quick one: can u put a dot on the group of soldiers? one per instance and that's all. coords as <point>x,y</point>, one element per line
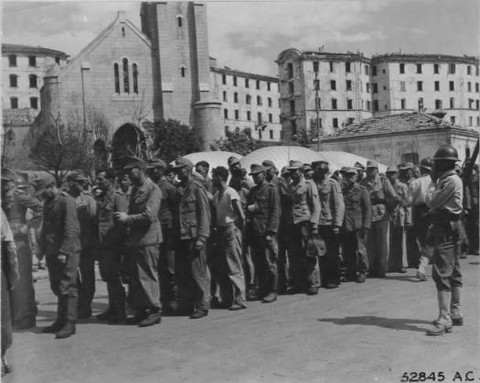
<point>182,242</point>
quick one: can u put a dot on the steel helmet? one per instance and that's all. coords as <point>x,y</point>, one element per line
<point>426,163</point>
<point>446,152</point>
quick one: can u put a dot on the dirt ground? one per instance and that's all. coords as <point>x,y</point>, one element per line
<point>371,332</point>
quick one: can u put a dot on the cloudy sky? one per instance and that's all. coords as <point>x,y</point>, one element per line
<point>249,35</point>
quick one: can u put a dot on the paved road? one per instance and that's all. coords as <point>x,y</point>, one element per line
<point>371,332</point>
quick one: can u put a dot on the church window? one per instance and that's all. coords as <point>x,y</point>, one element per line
<point>179,21</point>
<point>183,71</point>
<point>126,79</point>
<point>135,78</point>
<point>116,75</point>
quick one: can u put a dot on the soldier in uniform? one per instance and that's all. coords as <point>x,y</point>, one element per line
<point>381,196</point>
<point>15,203</point>
<point>203,168</point>
<point>332,210</point>
<point>87,214</point>
<point>285,206</point>
<point>405,175</point>
<point>111,240</point>
<point>60,243</point>
<point>398,217</point>
<point>156,169</point>
<point>144,237</point>
<point>446,204</point>
<point>262,220</point>
<point>302,222</point>
<point>356,224</point>
<point>191,228</point>
<point>472,214</point>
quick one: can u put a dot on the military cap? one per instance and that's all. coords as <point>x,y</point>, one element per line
<point>256,168</point>
<point>77,176</point>
<point>392,169</point>
<point>284,170</point>
<point>372,164</point>
<point>156,163</point>
<point>295,165</point>
<point>349,170</point>
<point>232,160</point>
<point>267,164</point>
<point>307,167</point>
<point>42,182</point>
<point>359,166</point>
<point>134,162</point>
<point>181,163</point>
<point>319,163</point>
<point>405,166</point>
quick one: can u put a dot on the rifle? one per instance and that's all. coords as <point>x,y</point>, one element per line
<point>468,164</point>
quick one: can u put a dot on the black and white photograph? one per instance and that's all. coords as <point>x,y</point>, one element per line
<point>240,191</point>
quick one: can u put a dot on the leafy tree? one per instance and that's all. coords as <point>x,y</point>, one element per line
<point>172,139</point>
<point>240,142</point>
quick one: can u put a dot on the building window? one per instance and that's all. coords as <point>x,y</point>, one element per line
<point>12,60</point>
<point>182,71</point>
<point>226,129</point>
<point>368,87</point>
<point>32,80</point>
<point>469,70</point>
<point>291,87</point>
<point>126,80</point>
<point>13,103</point>
<point>385,106</point>
<point>367,70</point>
<point>269,101</point>
<point>420,86</point>
<point>470,103</point>
<point>247,83</point>
<point>34,102</point>
<point>451,85</point>
<point>334,103</point>
<point>451,68</point>
<point>268,86</point>
<point>292,107</point>
<point>469,86</point>
<point>477,104</point>
<point>257,84</point>
<point>32,61</point>
<point>347,66</point>
<point>452,120</point>
<point>259,134</point>
<point>375,87</point>
<point>123,31</point>
<point>436,68</point>
<point>335,122</point>
<point>437,86</point>
<point>57,60</point>
<point>234,80</point>
<point>331,66</point>
<point>478,121</point>
<point>224,79</point>
<point>116,77</point>
<point>369,105</point>
<point>315,66</point>
<point>452,102</point>
<point>349,103</point>
<point>402,68</point>
<point>249,115</point>
<point>438,104</point>
<point>476,87</point>
<point>470,121</point>
<point>333,85</point>
<point>270,117</point>
<point>224,95</point>
<point>259,118</point>
<point>271,134</point>
<point>402,86</point>
<point>179,21</point>
<point>318,103</point>
<point>235,97</point>
<point>259,101</point>
<point>225,113</point>
<point>349,84</point>
<point>420,103</point>
<point>403,103</point>
<point>375,105</point>
<point>135,78</point>
<point>316,84</point>
<point>236,114</point>
<point>419,68</point>
<point>248,99</point>
<point>374,70</point>
<point>290,70</point>
<point>13,81</point>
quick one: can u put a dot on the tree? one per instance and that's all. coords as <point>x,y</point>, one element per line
<point>240,142</point>
<point>172,139</point>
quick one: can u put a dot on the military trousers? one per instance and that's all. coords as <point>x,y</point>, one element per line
<point>330,262</point>
<point>354,253</point>
<point>397,248</point>
<point>446,267</point>
<point>193,276</point>
<point>86,279</point>
<point>166,268</point>
<point>24,309</point>
<point>63,276</point>
<point>377,248</point>
<point>109,259</point>
<point>144,284</point>
<point>472,229</point>
<point>282,263</point>
<point>304,270</point>
<point>264,256</point>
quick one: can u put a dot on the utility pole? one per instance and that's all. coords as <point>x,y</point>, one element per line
<point>317,109</point>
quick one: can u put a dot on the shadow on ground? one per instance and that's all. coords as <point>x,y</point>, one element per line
<point>404,278</point>
<point>370,320</point>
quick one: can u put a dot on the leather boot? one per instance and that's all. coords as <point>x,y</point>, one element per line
<point>120,314</point>
<point>110,311</point>
<point>443,324</point>
<point>455,312</point>
<point>58,324</point>
<point>69,328</point>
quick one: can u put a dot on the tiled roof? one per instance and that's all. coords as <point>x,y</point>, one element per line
<point>414,121</point>
<point>26,49</point>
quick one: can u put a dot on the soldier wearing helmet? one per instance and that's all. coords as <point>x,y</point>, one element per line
<point>445,206</point>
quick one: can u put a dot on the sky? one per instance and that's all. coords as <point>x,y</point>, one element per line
<point>249,35</point>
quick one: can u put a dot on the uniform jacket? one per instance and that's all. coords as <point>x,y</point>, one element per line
<point>332,206</point>
<point>448,194</point>
<point>358,211</point>
<point>168,201</point>
<point>264,219</point>
<point>191,214</point>
<point>401,214</point>
<point>111,233</point>
<point>142,221</point>
<point>305,202</point>
<point>381,194</point>
<point>16,212</point>
<point>60,230</point>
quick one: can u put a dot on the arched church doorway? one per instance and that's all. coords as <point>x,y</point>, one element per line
<point>129,140</point>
